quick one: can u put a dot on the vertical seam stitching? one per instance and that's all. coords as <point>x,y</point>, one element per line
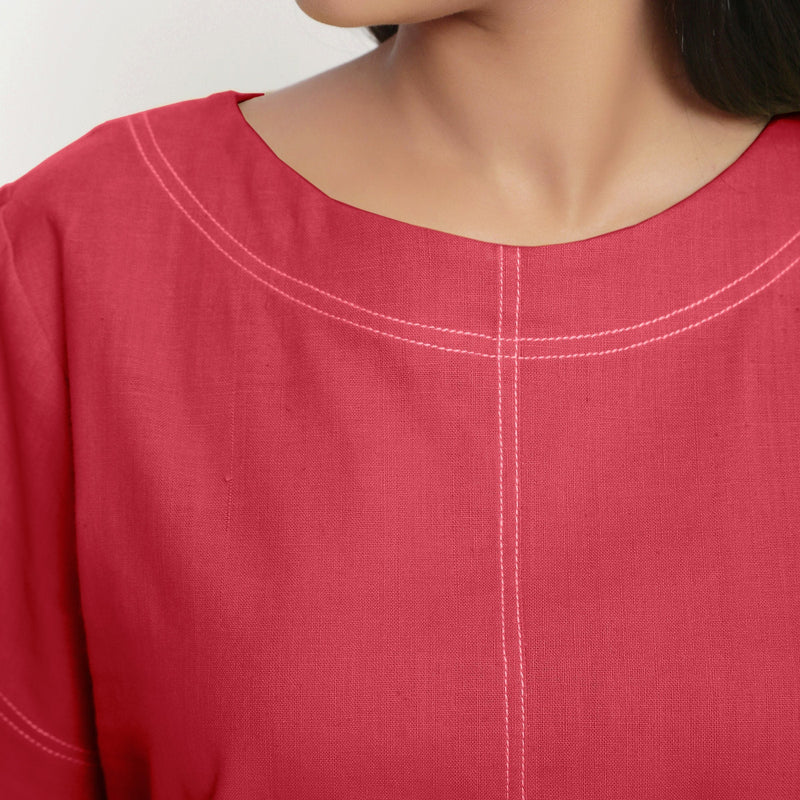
<point>516,526</point>
<point>501,269</point>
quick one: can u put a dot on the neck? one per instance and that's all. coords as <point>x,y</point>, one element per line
<point>550,102</point>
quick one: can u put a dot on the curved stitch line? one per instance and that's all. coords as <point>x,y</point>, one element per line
<point>42,747</point>
<point>415,341</point>
<point>436,327</point>
<point>680,330</point>
<point>45,733</point>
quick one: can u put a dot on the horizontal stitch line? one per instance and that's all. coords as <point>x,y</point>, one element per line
<point>415,341</point>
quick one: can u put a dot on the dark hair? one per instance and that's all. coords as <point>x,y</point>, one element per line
<point>743,56</point>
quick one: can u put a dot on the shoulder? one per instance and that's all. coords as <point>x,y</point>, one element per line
<point>82,211</point>
<point>102,167</point>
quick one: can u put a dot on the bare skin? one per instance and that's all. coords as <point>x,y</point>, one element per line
<point>521,123</point>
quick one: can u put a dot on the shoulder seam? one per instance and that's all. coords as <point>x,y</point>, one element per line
<point>5,240</point>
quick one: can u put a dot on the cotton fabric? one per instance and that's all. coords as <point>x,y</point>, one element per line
<point>299,501</point>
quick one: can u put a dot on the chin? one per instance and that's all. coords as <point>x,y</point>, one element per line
<point>346,13</point>
<point>361,13</point>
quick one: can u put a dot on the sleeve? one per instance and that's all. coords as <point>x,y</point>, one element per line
<point>48,741</point>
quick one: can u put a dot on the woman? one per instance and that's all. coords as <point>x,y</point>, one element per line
<point>428,428</point>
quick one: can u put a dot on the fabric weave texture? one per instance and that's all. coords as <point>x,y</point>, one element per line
<point>302,502</point>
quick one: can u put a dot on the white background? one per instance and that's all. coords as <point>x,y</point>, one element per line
<point>68,65</point>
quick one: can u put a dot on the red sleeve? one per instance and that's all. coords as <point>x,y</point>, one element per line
<point>48,742</point>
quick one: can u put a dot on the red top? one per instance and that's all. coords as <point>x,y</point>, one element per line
<point>300,501</point>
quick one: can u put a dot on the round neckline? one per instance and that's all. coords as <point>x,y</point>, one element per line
<point>618,291</point>
<point>642,227</point>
